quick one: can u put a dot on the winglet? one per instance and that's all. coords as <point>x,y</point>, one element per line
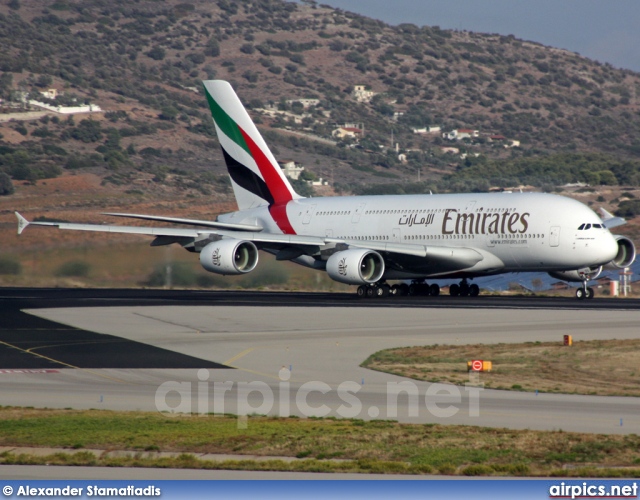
<point>22,223</point>
<point>609,220</point>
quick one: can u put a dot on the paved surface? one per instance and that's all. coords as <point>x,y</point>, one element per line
<point>322,338</point>
<point>45,472</point>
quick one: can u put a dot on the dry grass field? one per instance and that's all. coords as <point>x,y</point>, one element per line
<point>602,367</point>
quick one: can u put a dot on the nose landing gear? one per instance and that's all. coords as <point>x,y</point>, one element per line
<point>584,292</point>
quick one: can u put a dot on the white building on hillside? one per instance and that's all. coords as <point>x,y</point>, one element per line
<point>291,169</point>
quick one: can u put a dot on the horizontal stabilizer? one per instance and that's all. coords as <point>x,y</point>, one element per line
<point>609,220</point>
<point>22,223</point>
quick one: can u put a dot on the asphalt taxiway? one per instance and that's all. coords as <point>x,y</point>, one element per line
<point>287,353</point>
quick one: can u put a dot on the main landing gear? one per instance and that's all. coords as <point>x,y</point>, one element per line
<point>464,289</point>
<point>584,292</point>
<point>374,290</point>
<point>414,289</point>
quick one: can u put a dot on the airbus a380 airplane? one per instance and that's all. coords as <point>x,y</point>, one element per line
<point>367,240</point>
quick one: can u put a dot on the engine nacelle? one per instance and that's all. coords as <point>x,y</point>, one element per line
<point>588,273</point>
<point>229,257</point>
<point>356,266</point>
<point>626,253</point>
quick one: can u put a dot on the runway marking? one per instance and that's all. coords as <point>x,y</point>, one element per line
<point>238,356</point>
<point>63,363</point>
<point>244,353</point>
<point>165,321</point>
<point>31,349</point>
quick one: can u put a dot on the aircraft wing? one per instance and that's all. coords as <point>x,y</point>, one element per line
<point>190,222</point>
<point>400,256</point>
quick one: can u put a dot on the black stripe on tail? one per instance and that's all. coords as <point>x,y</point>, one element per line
<point>247,179</point>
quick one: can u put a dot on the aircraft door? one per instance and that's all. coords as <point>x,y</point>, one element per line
<point>554,236</point>
<point>359,211</point>
<point>308,213</point>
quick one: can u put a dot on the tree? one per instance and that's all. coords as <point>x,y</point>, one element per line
<point>87,131</point>
<point>168,113</point>
<point>213,48</point>
<point>156,53</point>
<point>6,186</point>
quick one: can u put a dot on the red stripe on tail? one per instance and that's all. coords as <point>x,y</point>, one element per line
<point>277,187</point>
<point>279,214</point>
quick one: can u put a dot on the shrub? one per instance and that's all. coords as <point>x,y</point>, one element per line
<point>628,208</point>
<point>73,268</point>
<point>156,53</point>
<point>6,186</point>
<point>213,48</point>
<point>247,48</point>
<point>182,274</point>
<point>9,265</point>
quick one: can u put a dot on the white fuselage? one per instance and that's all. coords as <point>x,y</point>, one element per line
<point>523,231</point>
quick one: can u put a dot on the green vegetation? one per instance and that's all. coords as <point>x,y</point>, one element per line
<point>147,61</point>
<point>74,268</point>
<point>628,208</point>
<point>189,274</point>
<point>553,170</point>
<point>327,445</point>
<point>10,266</point>
<point>6,186</point>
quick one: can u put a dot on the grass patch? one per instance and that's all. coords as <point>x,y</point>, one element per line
<point>596,367</point>
<point>358,446</point>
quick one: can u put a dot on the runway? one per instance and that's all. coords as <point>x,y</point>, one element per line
<point>286,353</point>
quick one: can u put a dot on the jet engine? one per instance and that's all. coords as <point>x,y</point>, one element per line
<point>588,273</point>
<point>229,257</point>
<point>626,253</point>
<point>356,266</point>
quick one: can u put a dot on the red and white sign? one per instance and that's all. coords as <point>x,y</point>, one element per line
<point>476,365</point>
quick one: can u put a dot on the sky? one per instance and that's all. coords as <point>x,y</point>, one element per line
<point>604,30</point>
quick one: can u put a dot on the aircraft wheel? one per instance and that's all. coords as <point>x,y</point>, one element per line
<point>580,294</point>
<point>403,288</point>
<point>434,290</point>
<point>362,291</point>
<point>372,291</point>
<point>474,290</point>
<point>590,293</point>
<point>383,291</point>
<point>454,290</point>
<point>464,290</point>
<point>413,290</point>
<point>395,290</point>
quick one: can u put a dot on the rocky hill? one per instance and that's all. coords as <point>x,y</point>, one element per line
<point>296,66</point>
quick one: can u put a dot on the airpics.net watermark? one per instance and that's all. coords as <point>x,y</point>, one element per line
<point>405,399</point>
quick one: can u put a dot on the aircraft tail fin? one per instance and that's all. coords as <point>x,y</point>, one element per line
<point>256,177</point>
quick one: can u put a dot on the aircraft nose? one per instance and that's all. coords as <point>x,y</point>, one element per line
<point>609,247</point>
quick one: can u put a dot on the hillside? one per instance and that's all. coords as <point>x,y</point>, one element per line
<point>142,63</point>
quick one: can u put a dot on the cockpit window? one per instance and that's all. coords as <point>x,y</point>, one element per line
<point>581,227</point>
<point>588,226</point>
<point>599,226</point>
